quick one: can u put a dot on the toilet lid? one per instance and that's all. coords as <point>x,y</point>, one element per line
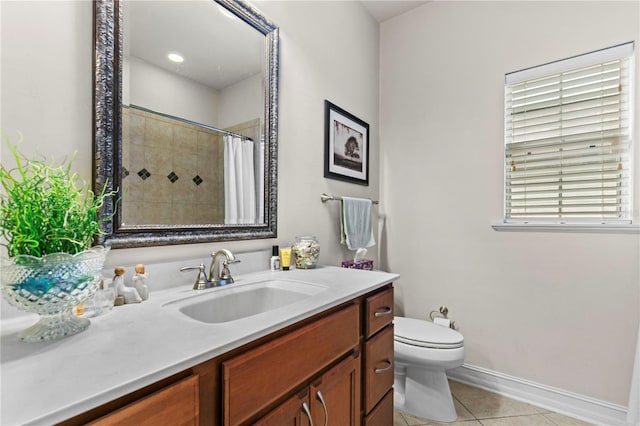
<point>426,334</point>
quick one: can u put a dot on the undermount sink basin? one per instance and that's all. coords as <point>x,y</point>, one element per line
<point>236,302</point>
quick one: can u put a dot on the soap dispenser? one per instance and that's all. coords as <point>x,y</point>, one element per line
<point>274,263</point>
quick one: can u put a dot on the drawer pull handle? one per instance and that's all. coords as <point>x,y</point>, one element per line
<point>387,311</point>
<point>305,407</point>
<point>382,370</point>
<point>326,414</point>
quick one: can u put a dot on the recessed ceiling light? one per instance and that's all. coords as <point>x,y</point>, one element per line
<point>175,57</point>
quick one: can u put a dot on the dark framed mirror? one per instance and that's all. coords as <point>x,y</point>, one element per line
<point>191,146</point>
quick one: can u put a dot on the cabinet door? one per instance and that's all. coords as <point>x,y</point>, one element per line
<point>294,412</point>
<point>335,396</point>
<point>259,378</point>
<point>177,404</point>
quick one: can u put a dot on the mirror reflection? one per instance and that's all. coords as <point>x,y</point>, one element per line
<point>185,124</point>
<point>192,140</point>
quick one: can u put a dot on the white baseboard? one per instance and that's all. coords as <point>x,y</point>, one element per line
<point>560,401</point>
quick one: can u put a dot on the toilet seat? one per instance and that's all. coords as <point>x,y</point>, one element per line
<point>426,334</point>
<point>423,352</point>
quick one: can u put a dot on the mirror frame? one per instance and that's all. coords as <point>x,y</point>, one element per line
<point>107,127</point>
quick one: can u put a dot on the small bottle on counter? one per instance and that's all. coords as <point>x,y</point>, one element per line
<point>274,263</point>
<point>285,258</point>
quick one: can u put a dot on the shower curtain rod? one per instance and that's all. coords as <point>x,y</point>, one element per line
<point>194,123</point>
<point>327,197</point>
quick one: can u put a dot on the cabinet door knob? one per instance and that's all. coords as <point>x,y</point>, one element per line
<point>326,414</point>
<point>387,311</point>
<point>305,407</point>
<point>382,370</point>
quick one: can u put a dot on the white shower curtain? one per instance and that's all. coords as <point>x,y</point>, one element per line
<point>239,181</point>
<point>260,164</point>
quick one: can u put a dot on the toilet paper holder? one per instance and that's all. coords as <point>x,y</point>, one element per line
<point>443,312</point>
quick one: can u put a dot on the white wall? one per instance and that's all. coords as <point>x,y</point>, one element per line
<point>526,307</point>
<point>554,308</point>
<point>156,89</point>
<point>241,102</point>
<point>328,50</point>
<point>46,72</point>
<point>47,94</point>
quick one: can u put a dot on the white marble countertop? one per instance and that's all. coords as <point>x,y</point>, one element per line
<point>136,345</point>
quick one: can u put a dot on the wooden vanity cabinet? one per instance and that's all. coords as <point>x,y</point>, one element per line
<point>378,311</point>
<point>174,400</point>
<point>382,414</point>
<point>378,359</point>
<point>293,412</point>
<point>336,367</point>
<point>260,377</point>
<point>334,398</point>
<point>177,404</point>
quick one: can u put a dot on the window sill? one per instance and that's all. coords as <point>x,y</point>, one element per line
<point>596,229</point>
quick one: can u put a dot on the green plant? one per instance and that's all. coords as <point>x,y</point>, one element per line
<point>45,208</point>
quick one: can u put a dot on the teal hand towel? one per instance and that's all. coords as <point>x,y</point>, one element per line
<point>355,223</point>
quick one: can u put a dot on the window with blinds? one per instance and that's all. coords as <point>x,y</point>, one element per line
<point>568,140</point>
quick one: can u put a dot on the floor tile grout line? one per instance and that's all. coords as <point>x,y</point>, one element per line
<point>549,419</point>
<point>403,418</point>
<point>546,414</point>
<point>540,412</point>
<point>481,420</point>
<point>406,423</point>
<point>465,407</point>
<point>516,417</point>
<point>506,416</point>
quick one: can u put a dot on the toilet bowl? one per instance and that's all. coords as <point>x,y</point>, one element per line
<point>423,353</point>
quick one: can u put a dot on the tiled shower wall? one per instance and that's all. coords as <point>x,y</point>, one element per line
<point>173,171</point>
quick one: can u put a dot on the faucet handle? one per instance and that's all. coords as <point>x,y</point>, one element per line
<point>226,273</point>
<point>201,281</point>
<point>217,276</point>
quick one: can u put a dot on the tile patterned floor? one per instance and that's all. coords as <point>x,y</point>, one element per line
<point>477,407</point>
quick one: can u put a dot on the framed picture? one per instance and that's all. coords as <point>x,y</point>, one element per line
<point>346,151</point>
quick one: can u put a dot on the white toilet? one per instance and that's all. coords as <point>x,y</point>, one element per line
<point>423,352</point>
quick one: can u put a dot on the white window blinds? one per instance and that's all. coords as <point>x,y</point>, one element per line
<point>568,140</point>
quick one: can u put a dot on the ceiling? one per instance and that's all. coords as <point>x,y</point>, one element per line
<point>387,9</point>
<point>194,30</point>
<point>152,29</point>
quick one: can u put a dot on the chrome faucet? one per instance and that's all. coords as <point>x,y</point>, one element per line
<point>219,277</point>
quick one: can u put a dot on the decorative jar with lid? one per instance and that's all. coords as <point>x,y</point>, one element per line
<point>305,251</point>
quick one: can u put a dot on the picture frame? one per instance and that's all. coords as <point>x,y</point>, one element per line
<point>346,151</point>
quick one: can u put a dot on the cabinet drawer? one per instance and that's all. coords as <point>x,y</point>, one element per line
<point>259,377</point>
<point>177,404</point>
<point>379,365</point>
<point>379,311</point>
<point>382,414</point>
